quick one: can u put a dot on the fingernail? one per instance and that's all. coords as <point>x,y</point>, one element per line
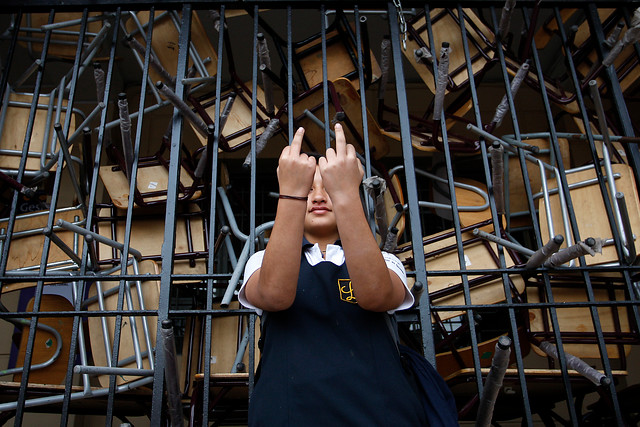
<point>338,125</point>
<point>300,129</point>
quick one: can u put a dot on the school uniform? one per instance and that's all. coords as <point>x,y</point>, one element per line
<point>326,361</point>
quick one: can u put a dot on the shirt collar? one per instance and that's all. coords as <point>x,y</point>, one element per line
<point>307,244</point>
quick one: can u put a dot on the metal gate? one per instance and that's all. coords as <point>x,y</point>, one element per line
<point>138,148</point>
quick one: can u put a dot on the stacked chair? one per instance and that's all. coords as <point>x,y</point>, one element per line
<point>529,244</point>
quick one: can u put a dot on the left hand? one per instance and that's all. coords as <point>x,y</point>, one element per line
<point>341,169</point>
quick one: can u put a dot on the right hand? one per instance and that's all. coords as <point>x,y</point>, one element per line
<point>295,169</point>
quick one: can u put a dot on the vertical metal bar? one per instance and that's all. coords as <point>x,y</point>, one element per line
<point>633,153</point>
<point>454,205</point>
<point>290,72</point>
<point>412,188</point>
<point>250,244</point>
<point>514,327</point>
<point>253,176</point>
<point>170,217</point>
<point>47,242</point>
<point>521,154</point>
<point>4,78</point>
<point>213,155</point>
<point>27,140</point>
<point>363,111</point>
<point>90,208</point>
<point>617,96</point>
<point>325,89</point>
<point>115,353</point>
<point>564,187</point>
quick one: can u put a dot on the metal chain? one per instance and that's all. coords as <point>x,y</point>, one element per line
<point>403,23</point>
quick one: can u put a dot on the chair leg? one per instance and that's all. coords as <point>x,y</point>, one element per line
<point>195,413</point>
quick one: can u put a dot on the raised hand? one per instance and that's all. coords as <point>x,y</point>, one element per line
<point>295,169</point>
<point>341,170</point>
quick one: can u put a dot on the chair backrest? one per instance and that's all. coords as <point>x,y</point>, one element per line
<point>341,60</point>
<point>151,184</point>
<point>236,134</point>
<point>147,236</point>
<point>589,209</point>
<point>138,333</point>
<point>446,28</point>
<point>226,342</point>
<point>516,183</point>
<point>13,126</point>
<point>576,324</point>
<point>62,45</point>
<point>343,98</point>
<point>441,254</point>
<point>25,252</point>
<point>451,363</point>
<point>45,343</point>
<point>164,42</point>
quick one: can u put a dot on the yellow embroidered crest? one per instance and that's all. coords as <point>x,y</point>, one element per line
<point>346,291</point>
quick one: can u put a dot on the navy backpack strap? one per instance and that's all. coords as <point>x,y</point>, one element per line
<point>434,393</point>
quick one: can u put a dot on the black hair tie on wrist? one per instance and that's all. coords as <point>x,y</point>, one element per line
<point>284,196</point>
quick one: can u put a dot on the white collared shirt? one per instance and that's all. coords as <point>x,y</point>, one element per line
<point>335,255</point>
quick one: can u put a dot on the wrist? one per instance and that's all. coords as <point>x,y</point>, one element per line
<point>289,197</point>
<point>345,198</point>
<point>294,192</point>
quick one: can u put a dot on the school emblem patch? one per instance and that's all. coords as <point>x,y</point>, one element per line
<point>346,291</point>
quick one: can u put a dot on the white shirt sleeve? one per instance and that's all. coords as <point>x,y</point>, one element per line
<point>253,264</point>
<point>395,265</point>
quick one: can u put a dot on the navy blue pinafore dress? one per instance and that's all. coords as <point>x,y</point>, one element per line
<point>328,362</point>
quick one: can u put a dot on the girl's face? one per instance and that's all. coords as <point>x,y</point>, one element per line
<point>319,221</point>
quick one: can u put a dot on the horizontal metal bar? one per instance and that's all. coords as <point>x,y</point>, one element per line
<point>103,370</point>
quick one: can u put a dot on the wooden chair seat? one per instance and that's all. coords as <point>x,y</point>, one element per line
<point>341,54</point>
<point>423,142</point>
<point>620,154</point>
<point>147,236</point>
<point>39,387</point>
<point>339,61</point>
<point>516,185</point>
<point>583,52</point>
<point>465,197</point>
<point>532,372</point>
<point>590,212</point>
<point>226,333</point>
<point>61,46</point>
<point>625,64</point>
<point>16,117</point>
<point>150,180</point>
<point>45,344</point>
<point>27,243</point>
<point>549,29</point>
<point>441,254</point>
<point>446,28</point>
<point>450,365</point>
<point>236,133</point>
<point>576,324</point>
<point>151,294</point>
<point>343,97</point>
<point>165,39</point>
<point>562,97</point>
<point>461,141</point>
<point>544,387</point>
<point>241,377</point>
